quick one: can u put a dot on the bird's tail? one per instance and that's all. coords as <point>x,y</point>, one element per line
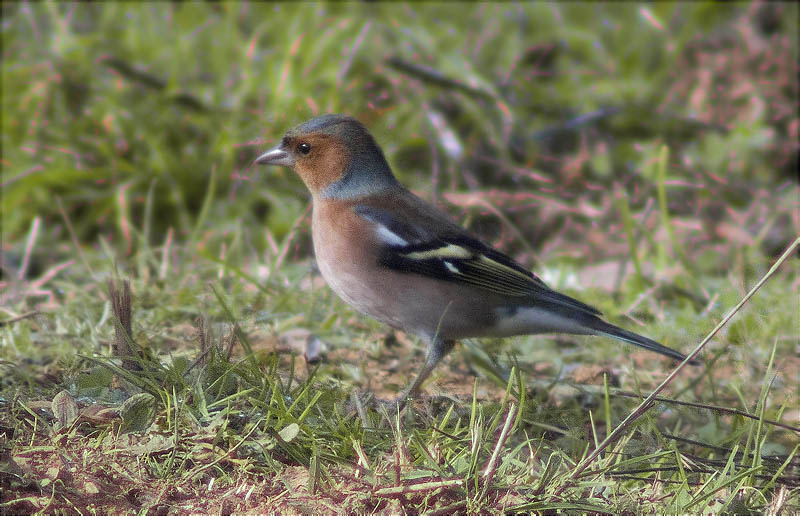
<point>601,327</point>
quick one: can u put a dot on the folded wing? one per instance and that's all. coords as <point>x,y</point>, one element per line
<point>453,255</point>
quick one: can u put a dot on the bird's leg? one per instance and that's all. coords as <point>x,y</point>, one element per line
<point>437,350</point>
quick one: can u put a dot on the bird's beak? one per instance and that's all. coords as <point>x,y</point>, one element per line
<point>276,156</point>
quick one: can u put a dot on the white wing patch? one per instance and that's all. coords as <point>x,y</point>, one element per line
<point>452,268</point>
<point>388,236</point>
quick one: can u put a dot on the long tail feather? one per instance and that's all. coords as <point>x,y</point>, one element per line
<point>603,328</point>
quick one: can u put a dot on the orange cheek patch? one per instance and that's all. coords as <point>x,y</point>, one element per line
<point>323,167</point>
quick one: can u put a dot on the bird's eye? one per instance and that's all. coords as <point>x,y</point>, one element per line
<point>304,149</point>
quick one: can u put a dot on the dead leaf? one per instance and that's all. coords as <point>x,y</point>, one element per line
<point>65,409</point>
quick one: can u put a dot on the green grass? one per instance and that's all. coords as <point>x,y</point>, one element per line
<point>655,180</point>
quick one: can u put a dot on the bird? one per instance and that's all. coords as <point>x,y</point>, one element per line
<point>398,259</point>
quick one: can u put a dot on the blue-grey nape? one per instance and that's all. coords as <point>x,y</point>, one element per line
<point>321,123</point>
<point>368,172</point>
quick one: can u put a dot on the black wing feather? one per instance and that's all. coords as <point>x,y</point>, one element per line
<point>459,258</point>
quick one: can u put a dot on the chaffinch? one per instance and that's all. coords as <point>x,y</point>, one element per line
<point>396,258</point>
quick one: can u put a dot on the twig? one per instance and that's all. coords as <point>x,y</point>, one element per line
<point>434,76</point>
<point>715,408</point>
<point>491,467</point>
<point>151,81</point>
<point>420,487</point>
<point>650,400</point>
<point>123,329</point>
<point>19,318</point>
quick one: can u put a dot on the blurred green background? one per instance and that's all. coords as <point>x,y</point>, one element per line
<point>644,150</point>
<point>108,105</point>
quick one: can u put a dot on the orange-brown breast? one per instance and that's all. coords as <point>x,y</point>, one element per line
<point>347,250</point>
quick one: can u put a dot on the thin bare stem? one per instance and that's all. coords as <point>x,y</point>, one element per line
<point>491,467</point>
<point>650,400</point>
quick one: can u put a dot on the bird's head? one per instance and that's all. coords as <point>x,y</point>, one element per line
<point>335,156</point>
